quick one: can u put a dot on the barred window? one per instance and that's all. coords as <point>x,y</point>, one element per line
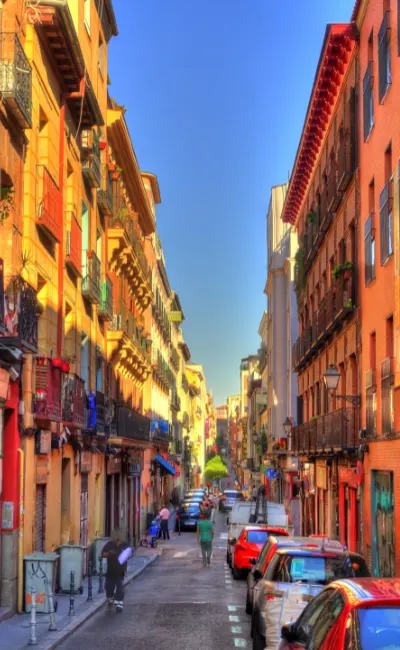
<point>369,249</point>
<point>371,402</point>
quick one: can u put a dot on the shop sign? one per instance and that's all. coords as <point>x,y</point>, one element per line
<point>134,469</point>
<point>42,469</point>
<point>114,465</point>
<point>43,442</point>
<point>86,461</point>
<point>175,316</point>
<point>271,474</point>
<point>321,476</point>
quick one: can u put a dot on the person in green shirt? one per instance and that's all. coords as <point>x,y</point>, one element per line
<point>205,534</point>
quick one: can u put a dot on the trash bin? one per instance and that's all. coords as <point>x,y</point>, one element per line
<point>71,559</point>
<point>98,545</point>
<point>40,572</point>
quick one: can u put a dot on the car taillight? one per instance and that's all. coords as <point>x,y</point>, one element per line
<point>269,597</point>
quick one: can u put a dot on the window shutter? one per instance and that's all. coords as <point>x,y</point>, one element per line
<point>366,104</point>
<point>353,117</point>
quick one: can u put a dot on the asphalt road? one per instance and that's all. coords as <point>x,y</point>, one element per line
<point>176,603</point>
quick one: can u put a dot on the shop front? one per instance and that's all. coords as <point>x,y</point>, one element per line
<point>349,507</point>
<point>322,514</point>
<point>113,492</point>
<point>307,494</point>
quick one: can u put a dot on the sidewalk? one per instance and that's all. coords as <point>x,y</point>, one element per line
<point>15,631</point>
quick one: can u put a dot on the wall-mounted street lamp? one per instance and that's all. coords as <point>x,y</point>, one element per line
<point>331,379</point>
<point>287,426</point>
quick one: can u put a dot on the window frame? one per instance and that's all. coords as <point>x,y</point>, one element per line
<point>87,15</point>
<point>384,57</point>
<point>368,101</point>
<point>386,223</point>
<point>369,249</point>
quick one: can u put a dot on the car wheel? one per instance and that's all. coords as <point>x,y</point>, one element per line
<point>228,559</point>
<point>249,606</point>
<point>236,573</point>
<point>252,623</point>
<point>258,641</point>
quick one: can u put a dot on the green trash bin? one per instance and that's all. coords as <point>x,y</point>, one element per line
<point>71,559</point>
<point>40,572</point>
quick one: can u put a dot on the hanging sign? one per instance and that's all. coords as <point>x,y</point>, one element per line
<point>175,316</point>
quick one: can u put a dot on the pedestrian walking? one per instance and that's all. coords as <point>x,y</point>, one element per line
<point>205,534</point>
<point>164,517</point>
<point>115,570</point>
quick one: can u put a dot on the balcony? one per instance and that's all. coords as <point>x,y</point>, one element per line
<point>162,435</point>
<point>128,348</point>
<point>335,431</point>
<point>185,384</point>
<point>47,397</point>
<point>50,207</point>
<point>105,311</point>
<point>16,79</point>
<point>105,199</point>
<point>91,165</point>
<point>346,159</point>
<point>91,283</point>
<point>334,196</point>
<point>18,302</point>
<point>175,359</point>
<point>175,402</point>
<point>161,371</point>
<point>185,420</point>
<point>178,447</point>
<point>73,251</point>
<point>73,402</point>
<point>131,424</point>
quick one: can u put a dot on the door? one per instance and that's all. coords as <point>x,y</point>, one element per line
<point>116,500</point>
<point>65,500</point>
<point>108,505</point>
<point>383,525</point>
<point>84,519</point>
<point>131,528</point>
<point>40,519</point>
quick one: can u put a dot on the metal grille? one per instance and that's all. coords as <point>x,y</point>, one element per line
<point>40,520</point>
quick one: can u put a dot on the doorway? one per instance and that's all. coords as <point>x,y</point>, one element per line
<point>65,501</point>
<point>40,519</point>
<point>84,519</point>
<point>383,554</point>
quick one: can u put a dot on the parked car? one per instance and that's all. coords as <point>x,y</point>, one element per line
<point>228,499</point>
<point>240,517</point>
<point>247,548</point>
<point>268,551</point>
<point>359,614</point>
<point>311,566</point>
<point>189,514</point>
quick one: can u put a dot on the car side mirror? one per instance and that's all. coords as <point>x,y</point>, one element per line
<point>253,561</point>
<point>287,632</point>
<point>257,575</point>
<point>232,541</point>
<point>290,632</point>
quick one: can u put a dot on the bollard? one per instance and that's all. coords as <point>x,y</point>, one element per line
<point>32,638</point>
<point>72,595</point>
<point>52,626</point>
<point>90,586</point>
<point>101,588</point>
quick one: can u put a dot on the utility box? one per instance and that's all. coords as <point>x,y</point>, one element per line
<point>40,573</point>
<point>71,559</point>
<point>98,545</point>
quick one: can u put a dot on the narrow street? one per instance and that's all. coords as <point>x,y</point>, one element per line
<point>175,603</point>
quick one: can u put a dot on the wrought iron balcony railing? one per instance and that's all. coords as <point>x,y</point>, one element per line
<point>50,207</point>
<point>106,311</point>
<point>91,164</point>
<point>18,314</point>
<point>91,283</point>
<point>47,397</point>
<point>105,199</point>
<point>16,79</point>
<point>73,402</point>
<point>73,253</point>
<point>329,433</point>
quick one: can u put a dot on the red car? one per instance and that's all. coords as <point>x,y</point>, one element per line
<point>357,614</point>
<point>247,548</point>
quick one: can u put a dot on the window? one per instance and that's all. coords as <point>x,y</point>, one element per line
<point>314,610</point>
<point>368,101</point>
<point>325,622</point>
<point>386,222</point>
<point>387,395</point>
<point>86,14</point>
<point>101,57</point>
<point>99,369</point>
<point>370,399</point>
<point>369,249</point>
<point>385,77</point>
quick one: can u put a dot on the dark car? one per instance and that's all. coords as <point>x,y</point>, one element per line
<point>363,614</point>
<point>189,515</point>
<point>229,498</point>
<point>311,566</point>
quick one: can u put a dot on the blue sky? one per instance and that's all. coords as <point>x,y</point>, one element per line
<point>216,93</point>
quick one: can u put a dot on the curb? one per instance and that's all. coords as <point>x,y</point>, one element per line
<point>61,635</point>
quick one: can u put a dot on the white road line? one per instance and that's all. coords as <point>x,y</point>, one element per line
<point>223,536</point>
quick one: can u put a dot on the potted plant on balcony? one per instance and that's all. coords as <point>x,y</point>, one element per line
<point>337,271</point>
<point>348,268</point>
<point>348,304</point>
<point>310,217</point>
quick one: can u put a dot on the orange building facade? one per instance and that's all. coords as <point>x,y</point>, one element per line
<point>322,203</point>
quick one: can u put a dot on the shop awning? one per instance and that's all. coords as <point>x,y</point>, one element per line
<point>165,465</point>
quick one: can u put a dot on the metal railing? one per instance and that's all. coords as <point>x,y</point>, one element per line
<point>50,207</point>
<point>106,306</point>
<point>16,79</point>
<point>337,430</point>
<point>105,198</point>
<point>91,283</point>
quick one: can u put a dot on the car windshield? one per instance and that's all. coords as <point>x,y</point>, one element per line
<point>379,628</point>
<point>191,507</point>
<point>320,570</point>
<point>257,536</point>
<point>232,495</point>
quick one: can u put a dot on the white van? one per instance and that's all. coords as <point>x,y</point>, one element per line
<point>240,516</point>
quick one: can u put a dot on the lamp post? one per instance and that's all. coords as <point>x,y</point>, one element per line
<point>331,379</point>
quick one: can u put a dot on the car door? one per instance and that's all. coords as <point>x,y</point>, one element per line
<point>308,618</point>
<point>326,633</point>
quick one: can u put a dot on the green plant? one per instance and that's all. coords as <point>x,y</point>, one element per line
<point>6,203</point>
<point>310,216</point>
<point>348,304</point>
<point>300,273</point>
<point>314,418</point>
<point>337,271</point>
<point>348,266</point>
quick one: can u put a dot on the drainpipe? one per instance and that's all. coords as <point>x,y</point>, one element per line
<point>61,244</point>
<point>21,531</point>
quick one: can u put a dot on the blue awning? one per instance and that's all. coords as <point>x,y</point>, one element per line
<point>165,465</point>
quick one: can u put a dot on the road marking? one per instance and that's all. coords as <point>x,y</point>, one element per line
<point>240,643</point>
<point>234,619</point>
<point>237,629</point>
<point>233,608</point>
<point>223,536</point>
<point>181,554</point>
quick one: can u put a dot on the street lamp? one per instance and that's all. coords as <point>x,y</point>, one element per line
<point>331,379</point>
<point>287,426</point>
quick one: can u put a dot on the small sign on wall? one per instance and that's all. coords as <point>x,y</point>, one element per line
<point>7,515</point>
<point>43,441</point>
